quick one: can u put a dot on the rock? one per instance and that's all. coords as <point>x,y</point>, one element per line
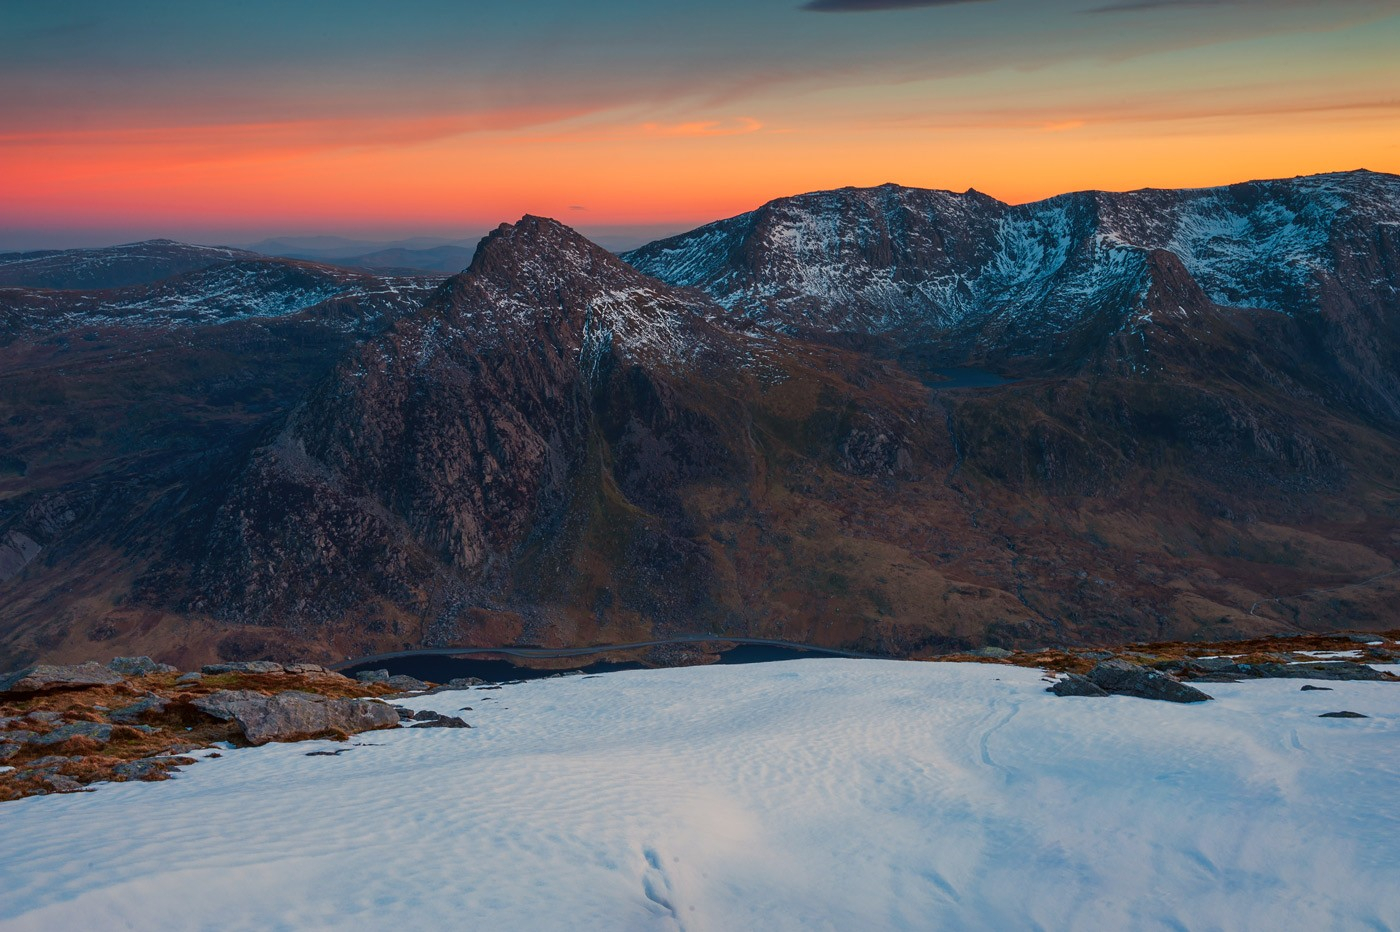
<point>131,714</point>
<point>44,677</point>
<point>97,731</point>
<point>1123,678</point>
<point>1212,665</point>
<point>61,783</point>
<point>407,683</point>
<point>1315,670</point>
<point>1075,685</point>
<point>187,679</point>
<point>148,768</point>
<point>45,716</point>
<point>405,715</point>
<point>426,715</point>
<point>1316,689</point>
<point>457,683</point>
<point>443,721</point>
<point>994,653</point>
<point>373,676</point>
<point>138,666</point>
<point>1343,715</point>
<point>8,750</point>
<point>18,736</point>
<point>291,716</point>
<point>246,666</point>
<point>309,669</point>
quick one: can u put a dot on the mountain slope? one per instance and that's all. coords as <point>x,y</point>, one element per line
<point>111,267</point>
<point>555,448</point>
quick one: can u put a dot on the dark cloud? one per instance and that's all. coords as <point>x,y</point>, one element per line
<point>870,6</point>
<point>1135,6</point>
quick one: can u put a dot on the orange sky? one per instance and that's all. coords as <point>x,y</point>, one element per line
<point>1307,96</point>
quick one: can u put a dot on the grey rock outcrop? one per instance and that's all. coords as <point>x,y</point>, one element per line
<point>442,721</point>
<point>294,715</point>
<point>244,666</point>
<point>1318,670</point>
<point>1123,678</point>
<point>131,714</point>
<point>138,666</point>
<point>97,731</point>
<point>1076,685</point>
<point>45,677</point>
<point>373,676</point>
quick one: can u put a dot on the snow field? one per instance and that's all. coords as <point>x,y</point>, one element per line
<point>812,794</point>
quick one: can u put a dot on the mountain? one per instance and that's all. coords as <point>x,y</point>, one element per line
<point>895,420</point>
<point>110,267</point>
<point>419,254</point>
<point>450,259</point>
<point>1038,287</point>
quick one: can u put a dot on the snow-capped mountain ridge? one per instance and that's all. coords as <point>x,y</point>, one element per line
<point>893,258</point>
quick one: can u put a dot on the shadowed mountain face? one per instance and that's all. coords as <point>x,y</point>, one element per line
<point>1196,435</point>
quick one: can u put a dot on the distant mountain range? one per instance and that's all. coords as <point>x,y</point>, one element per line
<point>890,419</point>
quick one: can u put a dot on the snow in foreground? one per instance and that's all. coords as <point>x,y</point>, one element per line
<point>813,794</point>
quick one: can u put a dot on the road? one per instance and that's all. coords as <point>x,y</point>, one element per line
<point>586,651</point>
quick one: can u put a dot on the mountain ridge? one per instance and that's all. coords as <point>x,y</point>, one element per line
<point>556,448</point>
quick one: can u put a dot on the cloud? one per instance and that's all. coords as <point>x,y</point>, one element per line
<point>1137,6</point>
<point>700,128</point>
<point>870,6</point>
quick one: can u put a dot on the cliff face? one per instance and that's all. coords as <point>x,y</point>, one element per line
<point>1192,433</point>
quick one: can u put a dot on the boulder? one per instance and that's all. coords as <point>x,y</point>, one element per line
<point>1075,685</point>
<point>1343,715</point>
<point>44,677</point>
<point>291,716</point>
<point>1315,689</point>
<point>426,715</point>
<point>442,721</point>
<point>310,669</point>
<point>994,653</point>
<point>407,683</point>
<point>8,750</point>
<point>131,714</point>
<point>244,666</point>
<point>188,679</point>
<point>18,736</point>
<point>1124,678</point>
<point>97,731</point>
<point>138,666</point>
<point>373,676</point>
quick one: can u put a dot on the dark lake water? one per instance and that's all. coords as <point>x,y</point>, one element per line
<point>442,669</point>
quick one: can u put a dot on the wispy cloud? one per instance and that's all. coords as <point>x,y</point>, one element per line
<point>871,6</point>
<point>1139,6</point>
<point>700,128</point>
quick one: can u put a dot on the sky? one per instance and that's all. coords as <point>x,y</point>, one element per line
<point>232,122</point>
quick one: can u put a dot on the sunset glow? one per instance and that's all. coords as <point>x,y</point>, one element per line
<point>250,120</point>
